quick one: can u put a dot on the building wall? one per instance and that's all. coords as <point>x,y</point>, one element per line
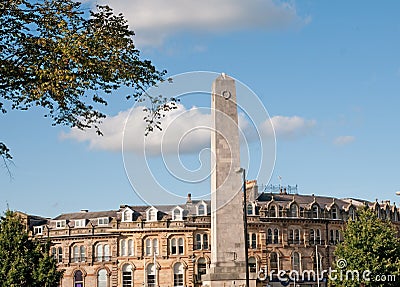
<point>165,228</point>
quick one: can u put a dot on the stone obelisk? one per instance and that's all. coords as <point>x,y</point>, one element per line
<point>227,238</point>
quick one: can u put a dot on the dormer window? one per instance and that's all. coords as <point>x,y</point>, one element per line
<point>103,221</point>
<point>272,211</point>
<point>80,223</point>
<point>38,230</point>
<point>152,214</point>
<point>293,211</point>
<point>202,209</point>
<point>177,213</point>
<point>61,223</point>
<point>127,215</point>
<point>314,211</point>
<point>334,212</point>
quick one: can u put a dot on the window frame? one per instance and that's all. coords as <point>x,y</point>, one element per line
<point>61,224</point>
<point>38,230</point>
<point>103,221</point>
<point>106,281</point>
<point>80,223</point>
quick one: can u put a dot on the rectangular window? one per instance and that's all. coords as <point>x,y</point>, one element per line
<point>103,221</point>
<point>148,247</point>
<point>198,242</point>
<point>38,230</point>
<point>151,280</point>
<point>126,279</point>
<point>60,223</point>
<point>178,280</point>
<point>80,223</point>
<point>205,241</point>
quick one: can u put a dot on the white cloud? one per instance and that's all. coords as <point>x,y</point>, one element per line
<point>344,140</point>
<point>183,131</point>
<point>181,128</point>
<point>155,20</point>
<point>287,127</point>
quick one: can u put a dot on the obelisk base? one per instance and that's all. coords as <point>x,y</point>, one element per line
<point>228,275</point>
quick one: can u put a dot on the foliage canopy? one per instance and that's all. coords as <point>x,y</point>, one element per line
<point>56,55</point>
<point>24,262</point>
<point>371,246</point>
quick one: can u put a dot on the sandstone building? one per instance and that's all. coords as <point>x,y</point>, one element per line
<point>170,245</point>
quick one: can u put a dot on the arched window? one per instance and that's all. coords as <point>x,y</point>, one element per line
<point>180,245</point>
<point>276,236</point>
<point>148,246</point>
<point>151,246</point>
<point>151,275</point>
<point>315,212</point>
<point>272,211</point>
<point>76,253</point>
<point>294,236</point>
<point>107,255</point>
<point>152,214</point>
<point>60,255</point>
<point>205,241</point>
<point>127,276</point>
<point>99,250</point>
<point>252,265</point>
<point>296,261</point>
<point>155,246</point>
<point>201,268</point>
<point>177,215</point>
<point>312,236</point>
<point>201,209</point>
<point>297,236</point>
<point>82,254</point>
<point>337,239</point>
<point>54,253</point>
<point>173,246</point>
<point>78,279</point>
<point>130,247</point>
<point>318,236</point>
<point>123,247</point>
<point>293,211</point>
<point>127,216</point>
<point>198,241</point>
<point>269,236</point>
<point>273,261</point>
<point>102,278</point>
<point>250,209</point>
<point>178,275</point>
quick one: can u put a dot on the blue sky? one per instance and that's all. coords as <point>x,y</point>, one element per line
<point>328,72</point>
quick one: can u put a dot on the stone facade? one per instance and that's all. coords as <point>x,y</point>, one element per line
<point>284,230</point>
